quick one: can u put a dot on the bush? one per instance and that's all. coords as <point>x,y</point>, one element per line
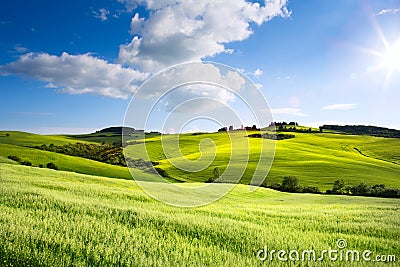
<point>26,163</point>
<point>361,190</point>
<point>161,172</point>
<point>290,184</point>
<point>276,186</point>
<point>311,189</point>
<point>338,187</point>
<point>41,166</point>
<point>51,165</point>
<point>15,158</point>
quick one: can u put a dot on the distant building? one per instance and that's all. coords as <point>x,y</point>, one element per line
<point>231,128</point>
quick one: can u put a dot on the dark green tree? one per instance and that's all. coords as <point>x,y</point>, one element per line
<point>290,184</point>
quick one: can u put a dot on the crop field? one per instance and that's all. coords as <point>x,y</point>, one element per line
<point>57,218</point>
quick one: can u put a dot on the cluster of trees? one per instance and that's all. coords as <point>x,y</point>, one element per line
<point>49,165</point>
<point>363,189</point>
<point>110,154</point>
<point>363,130</point>
<point>296,130</point>
<point>291,184</point>
<point>279,136</point>
<point>284,123</point>
<point>119,130</point>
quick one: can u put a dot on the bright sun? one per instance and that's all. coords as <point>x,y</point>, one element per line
<point>391,58</point>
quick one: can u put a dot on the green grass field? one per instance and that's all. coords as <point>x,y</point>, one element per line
<point>56,218</point>
<point>316,159</point>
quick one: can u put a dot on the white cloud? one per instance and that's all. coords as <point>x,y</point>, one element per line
<point>101,14</point>
<point>288,111</point>
<point>20,49</point>
<point>339,107</point>
<point>77,74</point>
<point>388,11</point>
<point>190,30</point>
<point>257,73</point>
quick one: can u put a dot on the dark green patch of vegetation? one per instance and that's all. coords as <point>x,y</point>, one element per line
<point>51,165</point>
<point>363,189</point>
<point>14,158</point>
<point>279,136</point>
<point>22,162</point>
<point>216,175</point>
<point>160,171</point>
<point>118,130</point>
<point>140,163</point>
<point>364,130</point>
<point>110,154</point>
<point>291,184</point>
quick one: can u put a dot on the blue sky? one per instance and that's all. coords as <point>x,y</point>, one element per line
<point>71,67</point>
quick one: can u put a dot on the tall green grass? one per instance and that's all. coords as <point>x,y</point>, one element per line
<point>55,218</point>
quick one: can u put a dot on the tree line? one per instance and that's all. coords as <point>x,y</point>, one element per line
<point>291,184</point>
<point>363,130</point>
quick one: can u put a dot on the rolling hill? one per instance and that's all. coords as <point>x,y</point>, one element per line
<point>317,159</point>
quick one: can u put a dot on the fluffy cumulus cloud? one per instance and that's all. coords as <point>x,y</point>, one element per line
<point>77,74</point>
<point>172,32</point>
<point>199,81</point>
<point>190,30</point>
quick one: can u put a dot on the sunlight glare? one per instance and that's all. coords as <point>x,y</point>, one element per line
<point>391,58</point>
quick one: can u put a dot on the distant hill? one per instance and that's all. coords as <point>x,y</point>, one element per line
<point>364,130</point>
<point>118,130</point>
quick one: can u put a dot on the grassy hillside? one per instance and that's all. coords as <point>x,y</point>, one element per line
<point>29,139</point>
<point>64,162</point>
<point>55,218</point>
<point>316,159</point>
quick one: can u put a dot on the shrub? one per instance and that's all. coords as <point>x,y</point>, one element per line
<point>361,190</point>
<point>311,189</point>
<point>26,163</point>
<point>51,165</point>
<point>41,166</point>
<point>290,184</point>
<point>161,172</point>
<point>276,186</point>
<point>14,158</point>
<point>338,187</point>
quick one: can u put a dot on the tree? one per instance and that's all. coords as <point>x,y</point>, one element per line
<point>216,173</point>
<point>51,165</point>
<point>338,187</point>
<point>290,184</point>
<point>361,190</point>
<point>7,134</point>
